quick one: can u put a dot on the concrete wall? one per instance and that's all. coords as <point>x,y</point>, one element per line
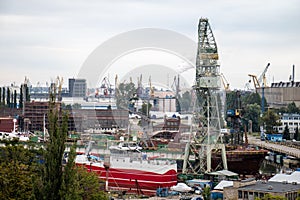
<point>281,96</point>
<point>231,193</point>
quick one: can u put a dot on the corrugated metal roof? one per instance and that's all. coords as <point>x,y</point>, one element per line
<point>271,186</point>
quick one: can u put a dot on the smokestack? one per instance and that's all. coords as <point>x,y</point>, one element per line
<point>293,78</point>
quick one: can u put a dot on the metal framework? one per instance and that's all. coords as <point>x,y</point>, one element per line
<point>207,139</point>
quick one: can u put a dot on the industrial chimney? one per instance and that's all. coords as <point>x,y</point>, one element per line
<point>293,78</point>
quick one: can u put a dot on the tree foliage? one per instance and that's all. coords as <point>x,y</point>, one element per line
<point>251,98</point>
<point>271,197</point>
<point>292,108</point>
<point>252,112</point>
<point>27,93</point>
<point>185,101</point>
<point>8,97</point>
<point>296,136</point>
<point>206,193</point>
<point>88,185</point>
<point>68,179</point>
<point>286,133</point>
<point>3,95</point>
<point>18,170</point>
<point>145,110</point>
<point>21,98</point>
<point>15,99</point>
<point>27,173</point>
<point>270,119</point>
<point>52,176</point>
<point>124,93</point>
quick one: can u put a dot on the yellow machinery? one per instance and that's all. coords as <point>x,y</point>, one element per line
<point>261,81</point>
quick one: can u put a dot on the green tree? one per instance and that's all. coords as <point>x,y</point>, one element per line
<point>3,95</point>
<point>286,133</point>
<point>292,108</point>
<point>68,189</point>
<point>124,93</point>
<point>21,97</point>
<point>15,99</point>
<point>57,181</point>
<point>271,197</point>
<point>230,99</point>
<point>66,106</point>
<point>76,106</point>
<point>52,177</point>
<point>185,101</point>
<point>281,110</point>
<point>27,173</point>
<point>27,93</point>
<point>251,98</point>
<point>18,170</point>
<point>206,193</point>
<point>252,112</point>
<point>296,135</point>
<point>88,185</point>
<point>8,97</point>
<point>78,183</point>
<point>270,120</point>
<point>145,110</point>
<point>15,175</point>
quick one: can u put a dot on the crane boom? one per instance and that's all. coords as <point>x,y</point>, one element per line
<point>261,81</point>
<point>262,77</point>
<point>225,82</point>
<point>255,80</point>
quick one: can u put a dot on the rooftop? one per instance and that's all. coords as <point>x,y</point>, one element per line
<point>289,178</point>
<point>276,187</point>
<point>223,173</point>
<point>223,184</point>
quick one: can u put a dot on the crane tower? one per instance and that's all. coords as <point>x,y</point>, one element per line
<point>208,114</point>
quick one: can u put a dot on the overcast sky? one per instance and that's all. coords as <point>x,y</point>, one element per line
<point>43,39</point>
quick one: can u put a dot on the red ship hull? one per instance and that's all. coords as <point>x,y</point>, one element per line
<point>133,180</point>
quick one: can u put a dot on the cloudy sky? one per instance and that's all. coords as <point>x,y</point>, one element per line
<point>44,39</point>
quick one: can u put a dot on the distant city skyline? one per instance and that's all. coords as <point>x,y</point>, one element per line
<point>43,40</point>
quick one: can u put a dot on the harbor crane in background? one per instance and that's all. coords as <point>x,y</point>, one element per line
<point>225,82</point>
<point>105,88</point>
<point>261,81</point>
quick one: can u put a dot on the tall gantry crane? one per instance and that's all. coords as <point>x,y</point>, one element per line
<point>208,84</point>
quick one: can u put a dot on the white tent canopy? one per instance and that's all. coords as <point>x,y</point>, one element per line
<point>224,173</point>
<point>223,184</point>
<point>289,178</point>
